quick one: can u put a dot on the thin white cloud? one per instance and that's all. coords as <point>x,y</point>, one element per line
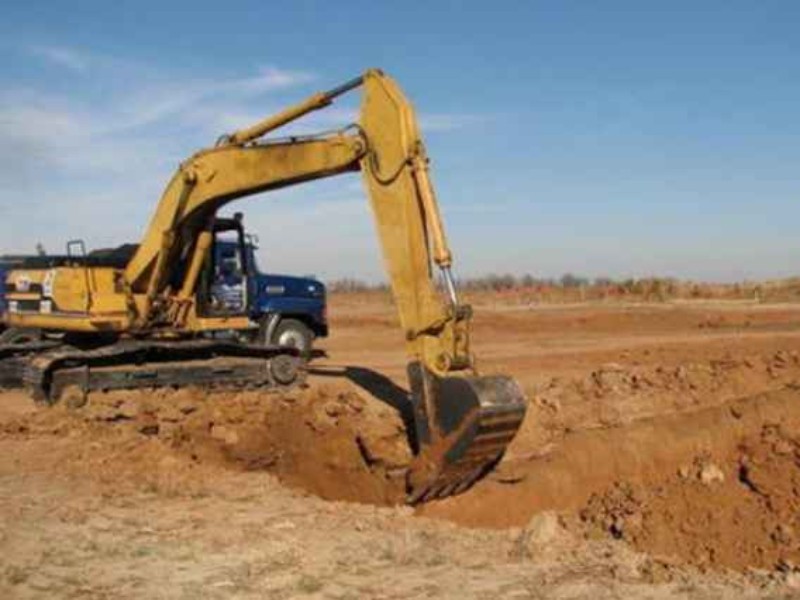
<point>19,120</point>
<point>45,138</point>
<point>44,131</point>
<point>103,214</point>
<point>79,161</point>
<point>61,56</point>
<point>188,99</point>
<point>271,79</point>
<point>33,138</point>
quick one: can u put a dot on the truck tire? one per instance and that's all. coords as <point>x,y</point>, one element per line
<point>294,334</point>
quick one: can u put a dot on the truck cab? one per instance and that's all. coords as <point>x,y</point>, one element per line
<point>290,310</point>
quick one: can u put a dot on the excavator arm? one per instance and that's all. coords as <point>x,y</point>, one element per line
<point>463,421</point>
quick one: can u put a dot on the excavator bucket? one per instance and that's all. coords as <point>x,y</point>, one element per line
<point>463,424</point>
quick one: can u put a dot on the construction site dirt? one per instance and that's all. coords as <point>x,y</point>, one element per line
<point>659,457</point>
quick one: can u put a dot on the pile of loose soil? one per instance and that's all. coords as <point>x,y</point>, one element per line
<point>734,509</point>
<point>616,395</point>
<point>328,440</point>
<point>719,487</point>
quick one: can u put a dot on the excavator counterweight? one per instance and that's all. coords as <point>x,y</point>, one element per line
<point>143,320</point>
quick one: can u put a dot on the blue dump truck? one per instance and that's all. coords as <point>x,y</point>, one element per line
<point>289,311</point>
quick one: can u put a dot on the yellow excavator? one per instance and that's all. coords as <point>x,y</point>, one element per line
<point>139,317</point>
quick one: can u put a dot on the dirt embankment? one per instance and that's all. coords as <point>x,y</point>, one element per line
<point>617,394</point>
<point>732,505</point>
<point>326,440</point>
<point>688,463</point>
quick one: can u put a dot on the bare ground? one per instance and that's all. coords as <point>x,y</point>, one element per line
<point>659,458</point>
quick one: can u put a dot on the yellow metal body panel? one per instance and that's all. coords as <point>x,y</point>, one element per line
<point>238,323</point>
<point>394,140</point>
<point>220,175</point>
<point>67,298</point>
<point>72,289</point>
<point>67,322</point>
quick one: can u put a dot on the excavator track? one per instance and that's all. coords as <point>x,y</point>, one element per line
<point>154,364</point>
<point>13,358</point>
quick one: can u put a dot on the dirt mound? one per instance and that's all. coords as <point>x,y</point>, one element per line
<point>687,385</point>
<point>327,440</point>
<point>738,509</point>
<point>616,395</point>
<point>719,487</point>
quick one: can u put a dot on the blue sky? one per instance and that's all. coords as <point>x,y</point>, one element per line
<point>606,138</point>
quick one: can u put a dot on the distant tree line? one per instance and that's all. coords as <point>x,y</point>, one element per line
<point>571,287</point>
<point>496,282</point>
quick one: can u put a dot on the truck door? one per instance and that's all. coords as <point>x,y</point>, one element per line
<point>225,279</point>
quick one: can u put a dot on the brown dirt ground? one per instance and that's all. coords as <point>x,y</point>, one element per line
<point>660,457</point>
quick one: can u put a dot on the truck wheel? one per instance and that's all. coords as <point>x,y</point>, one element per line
<point>16,335</point>
<point>294,334</point>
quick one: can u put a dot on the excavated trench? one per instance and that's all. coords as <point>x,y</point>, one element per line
<point>715,483</point>
<point>718,487</point>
